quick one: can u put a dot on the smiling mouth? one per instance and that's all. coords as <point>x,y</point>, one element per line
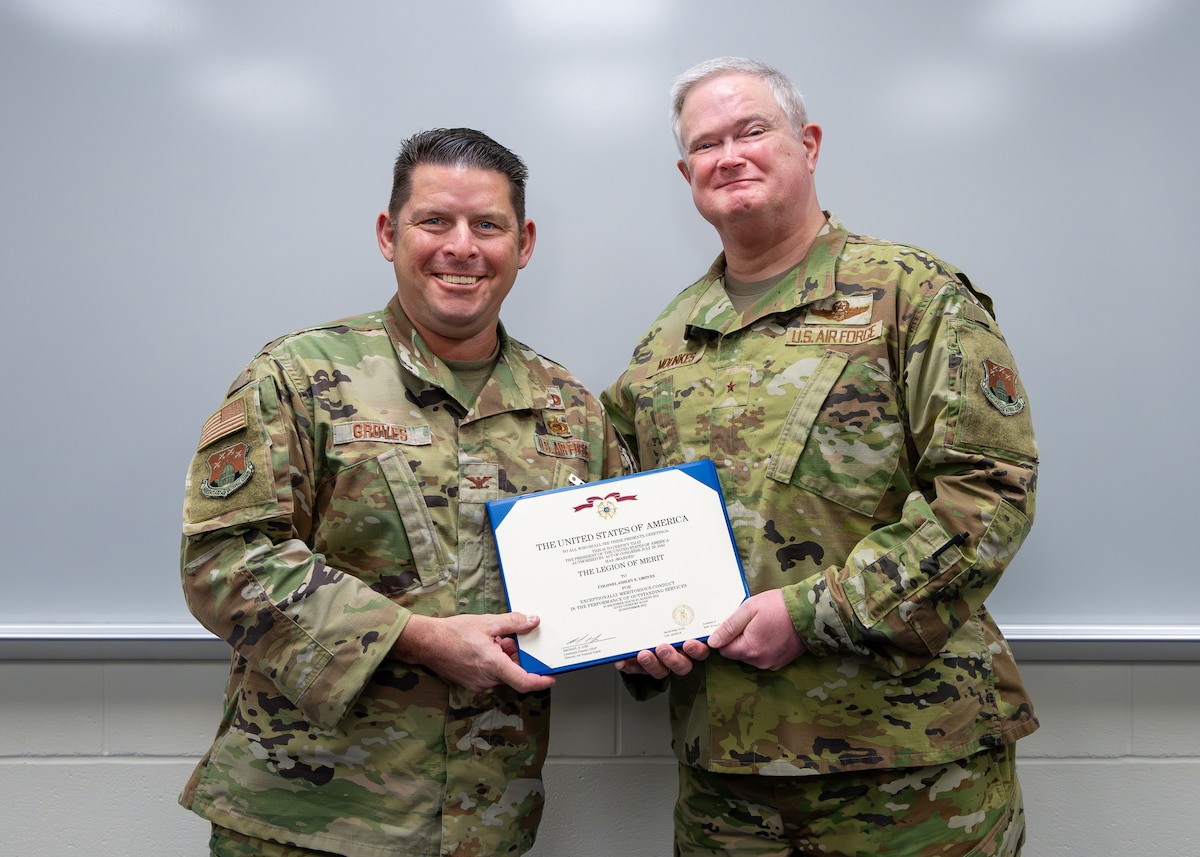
<point>459,279</point>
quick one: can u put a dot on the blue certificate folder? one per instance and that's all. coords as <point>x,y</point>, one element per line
<point>617,566</point>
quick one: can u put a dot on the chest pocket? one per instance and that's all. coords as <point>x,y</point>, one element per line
<point>374,524</point>
<point>843,435</point>
<point>423,542</point>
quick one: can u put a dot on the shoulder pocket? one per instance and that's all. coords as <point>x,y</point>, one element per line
<point>232,479</point>
<point>993,413</point>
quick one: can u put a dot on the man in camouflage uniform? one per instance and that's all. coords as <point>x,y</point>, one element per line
<point>336,538</point>
<point>877,458</point>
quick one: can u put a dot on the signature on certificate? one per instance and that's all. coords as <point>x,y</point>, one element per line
<point>586,640</point>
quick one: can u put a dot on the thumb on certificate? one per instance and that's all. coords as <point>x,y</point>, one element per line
<point>515,623</point>
<point>731,628</point>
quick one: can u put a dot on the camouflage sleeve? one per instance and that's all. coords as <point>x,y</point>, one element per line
<point>618,457</point>
<point>911,584</point>
<point>617,460</point>
<point>247,571</point>
<point>619,408</point>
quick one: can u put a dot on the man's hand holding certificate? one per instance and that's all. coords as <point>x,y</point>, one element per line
<point>617,566</point>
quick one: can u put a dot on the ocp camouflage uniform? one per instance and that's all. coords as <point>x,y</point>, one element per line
<point>878,463</point>
<point>339,490</point>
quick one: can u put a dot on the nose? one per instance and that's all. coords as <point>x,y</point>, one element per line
<point>731,155</point>
<point>460,242</point>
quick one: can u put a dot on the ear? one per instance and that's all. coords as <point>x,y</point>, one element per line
<point>683,168</point>
<point>810,139</point>
<point>528,237</point>
<point>385,234</point>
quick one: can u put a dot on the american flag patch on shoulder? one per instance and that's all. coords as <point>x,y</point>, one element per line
<point>225,421</point>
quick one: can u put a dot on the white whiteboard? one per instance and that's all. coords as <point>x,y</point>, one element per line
<point>181,181</point>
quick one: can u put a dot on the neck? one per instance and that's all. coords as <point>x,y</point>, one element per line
<point>755,250</point>
<point>482,346</point>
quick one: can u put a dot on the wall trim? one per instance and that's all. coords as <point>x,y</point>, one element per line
<point>191,642</point>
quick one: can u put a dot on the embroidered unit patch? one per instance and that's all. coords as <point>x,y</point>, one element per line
<point>999,385</point>
<point>228,470</point>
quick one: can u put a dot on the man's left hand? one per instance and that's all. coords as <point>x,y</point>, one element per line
<point>759,633</point>
<point>665,660</point>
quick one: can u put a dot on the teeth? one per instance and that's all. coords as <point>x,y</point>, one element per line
<point>459,280</point>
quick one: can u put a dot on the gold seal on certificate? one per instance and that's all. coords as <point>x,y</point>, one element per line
<point>617,566</point>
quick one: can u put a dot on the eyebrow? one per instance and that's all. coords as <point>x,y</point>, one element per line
<point>739,123</point>
<point>493,215</point>
<point>757,117</point>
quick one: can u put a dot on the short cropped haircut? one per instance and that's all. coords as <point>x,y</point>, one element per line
<point>456,147</point>
<point>787,94</point>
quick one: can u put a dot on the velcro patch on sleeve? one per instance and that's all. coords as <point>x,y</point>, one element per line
<point>231,479</point>
<point>229,419</point>
<point>993,413</point>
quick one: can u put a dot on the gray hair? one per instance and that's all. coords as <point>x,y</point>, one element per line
<point>787,94</point>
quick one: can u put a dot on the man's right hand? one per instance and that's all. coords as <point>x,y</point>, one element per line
<point>471,650</point>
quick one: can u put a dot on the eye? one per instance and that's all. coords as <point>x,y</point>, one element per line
<point>487,225</point>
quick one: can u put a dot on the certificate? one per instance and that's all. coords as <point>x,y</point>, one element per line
<point>617,566</point>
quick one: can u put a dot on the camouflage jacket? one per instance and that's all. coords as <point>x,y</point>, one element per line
<point>878,463</point>
<point>337,491</point>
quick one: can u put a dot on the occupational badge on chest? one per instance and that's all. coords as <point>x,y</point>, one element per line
<point>558,441</point>
<point>228,470</point>
<point>843,309</point>
<point>558,426</point>
<point>840,320</point>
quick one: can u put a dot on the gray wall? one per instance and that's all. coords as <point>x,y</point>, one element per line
<point>93,755</point>
<point>182,181</point>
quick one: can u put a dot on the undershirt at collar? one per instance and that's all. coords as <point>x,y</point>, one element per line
<point>474,374</point>
<point>743,295</point>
